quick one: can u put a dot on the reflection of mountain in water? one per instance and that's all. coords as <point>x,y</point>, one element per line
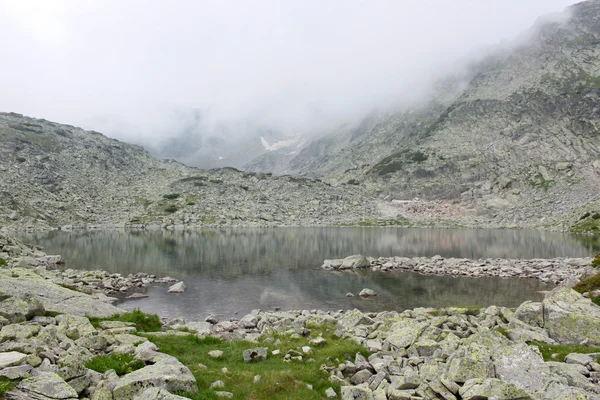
<point>228,253</point>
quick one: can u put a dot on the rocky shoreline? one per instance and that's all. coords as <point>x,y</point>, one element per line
<point>47,337</point>
<point>556,270</point>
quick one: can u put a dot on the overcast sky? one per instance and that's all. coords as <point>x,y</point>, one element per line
<point>109,64</point>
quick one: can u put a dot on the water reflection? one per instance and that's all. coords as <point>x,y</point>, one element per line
<point>236,270</point>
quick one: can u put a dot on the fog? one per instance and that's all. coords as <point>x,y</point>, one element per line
<point>149,70</point>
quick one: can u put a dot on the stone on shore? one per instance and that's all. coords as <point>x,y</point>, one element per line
<point>45,386</point>
<point>11,358</point>
<point>256,354</point>
<point>570,318</point>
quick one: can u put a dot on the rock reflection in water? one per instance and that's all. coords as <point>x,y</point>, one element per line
<point>236,270</point>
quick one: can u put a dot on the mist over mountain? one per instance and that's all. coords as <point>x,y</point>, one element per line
<point>139,71</point>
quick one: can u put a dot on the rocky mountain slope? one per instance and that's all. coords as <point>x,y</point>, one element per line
<point>519,145</point>
<point>54,175</point>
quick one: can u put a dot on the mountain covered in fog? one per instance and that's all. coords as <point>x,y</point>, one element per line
<point>516,139</point>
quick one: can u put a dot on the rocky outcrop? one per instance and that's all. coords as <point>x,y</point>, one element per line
<point>557,270</point>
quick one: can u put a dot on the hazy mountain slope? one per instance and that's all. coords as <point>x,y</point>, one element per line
<point>522,143</point>
<point>53,175</point>
<point>518,145</point>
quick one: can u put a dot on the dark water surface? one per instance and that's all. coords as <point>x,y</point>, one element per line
<point>235,270</point>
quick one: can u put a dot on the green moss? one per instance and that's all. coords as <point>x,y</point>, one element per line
<point>279,379</point>
<point>209,219</point>
<point>501,330</point>
<point>588,285</point>
<point>586,226</point>
<point>121,363</point>
<point>21,159</point>
<point>595,261</point>
<point>190,199</point>
<point>395,162</point>
<point>171,196</point>
<point>540,182</point>
<point>2,262</point>
<point>143,322</point>
<point>7,385</point>
<point>140,201</point>
<point>171,209</point>
<point>561,351</point>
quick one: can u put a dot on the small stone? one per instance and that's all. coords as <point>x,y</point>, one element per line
<point>215,354</point>
<point>224,370</point>
<point>318,342</point>
<point>11,358</point>
<point>256,378</point>
<point>276,352</point>
<point>212,319</point>
<point>202,366</point>
<point>330,393</point>
<point>306,349</point>
<point>228,395</point>
<point>217,384</point>
<point>256,354</point>
<point>367,293</point>
<point>349,294</point>
<point>137,296</point>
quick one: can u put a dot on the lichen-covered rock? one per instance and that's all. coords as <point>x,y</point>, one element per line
<point>53,297</point>
<point>353,318</point>
<point>256,354</point>
<point>157,394</point>
<point>470,362</point>
<point>531,313</point>
<point>404,333</point>
<point>21,307</point>
<point>563,392</point>
<point>570,318</point>
<point>491,388</point>
<point>521,365</point>
<point>11,358</point>
<point>356,393</point>
<point>46,386</point>
<point>355,261</point>
<point>74,326</point>
<point>168,374</point>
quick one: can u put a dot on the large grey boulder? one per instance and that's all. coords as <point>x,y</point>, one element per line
<point>574,375</point>
<point>46,386</point>
<point>354,318</point>
<point>74,326</point>
<point>167,373</point>
<point>570,318</point>
<point>520,365</point>
<point>530,313</point>
<point>404,333</point>
<point>355,261</point>
<point>473,361</point>
<point>54,298</point>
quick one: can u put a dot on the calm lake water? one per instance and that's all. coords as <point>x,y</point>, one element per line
<point>235,270</point>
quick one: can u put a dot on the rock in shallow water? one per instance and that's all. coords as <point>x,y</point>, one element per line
<point>179,287</point>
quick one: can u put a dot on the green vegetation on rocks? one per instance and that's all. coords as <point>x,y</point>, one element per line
<point>2,262</point>
<point>143,322</point>
<point>6,385</point>
<point>171,196</point>
<point>121,363</point>
<point>557,352</point>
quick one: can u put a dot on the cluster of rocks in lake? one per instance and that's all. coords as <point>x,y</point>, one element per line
<point>555,270</point>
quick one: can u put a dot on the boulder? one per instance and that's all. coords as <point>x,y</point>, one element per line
<point>530,313</point>
<point>179,287</point>
<point>491,388</point>
<point>54,298</point>
<point>21,307</point>
<point>353,318</point>
<point>404,333</point>
<point>367,293</point>
<point>11,358</point>
<point>157,394</point>
<point>470,362</point>
<point>520,365</point>
<point>570,318</point>
<point>45,386</point>
<point>356,393</point>
<point>168,374</point>
<point>74,326</point>
<point>355,261</point>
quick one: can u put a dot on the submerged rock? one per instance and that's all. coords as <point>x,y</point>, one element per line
<point>179,287</point>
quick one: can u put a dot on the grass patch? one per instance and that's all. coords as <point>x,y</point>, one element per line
<point>586,226</point>
<point>395,162</point>
<point>171,196</point>
<point>587,285</point>
<point>595,261</point>
<point>542,183</point>
<point>501,330</point>
<point>194,178</point>
<point>561,351</point>
<point>121,363</point>
<point>209,219</point>
<point>7,385</point>
<point>2,262</point>
<point>279,379</point>
<point>171,209</point>
<point>143,322</point>
<point>140,201</point>
<point>190,199</point>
